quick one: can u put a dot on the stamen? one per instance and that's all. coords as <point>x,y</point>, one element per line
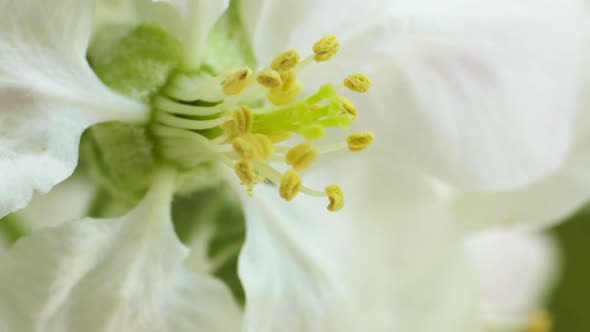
<point>241,122</point>
<point>348,107</point>
<point>171,106</point>
<point>336,197</point>
<point>360,141</point>
<point>232,119</point>
<point>237,81</point>
<point>245,149</point>
<point>279,136</point>
<point>253,147</point>
<point>286,61</point>
<point>264,147</point>
<point>301,157</point>
<point>245,171</point>
<point>290,185</point>
<point>326,48</point>
<point>177,122</point>
<point>288,91</point>
<point>358,82</point>
<point>190,88</point>
<point>269,78</point>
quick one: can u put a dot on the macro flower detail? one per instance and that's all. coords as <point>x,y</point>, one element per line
<point>246,100</point>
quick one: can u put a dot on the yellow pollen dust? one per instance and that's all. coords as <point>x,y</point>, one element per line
<point>286,61</point>
<point>336,197</point>
<point>290,185</point>
<point>348,107</point>
<point>245,172</point>
<point>540,322</point>
<point>326,48</point>
<point>301,156</point>
<point>360,141</point>
<point>269,78</point>
<point>358,82</point>
<point>241,122</point>
<point>237,81</point>
<point>263,122</point>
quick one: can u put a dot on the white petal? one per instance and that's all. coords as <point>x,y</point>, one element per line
<point>515,273</point>
<point>546,201</point>
<point>115,12</point>
<point>388,263</point>
<point>69,200</point>
<point>119,275</point>
<point>48,95</point>
<point>479,93</point>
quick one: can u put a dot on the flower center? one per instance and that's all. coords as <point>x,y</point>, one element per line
<point>256,122</point>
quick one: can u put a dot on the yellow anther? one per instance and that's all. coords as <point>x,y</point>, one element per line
<point>289,79</point>
<point>241,122</point>
<point>286,61</point>
<point>348,107</point>
<point>244,148</point>
<point>288,91</point>
<point>301,156</point>
<point>279,136</point>
<point>237,81</point>
<point>326,48</point>
<point>336,197</point>
<point>264,147</point>
<point>269,78</point>
<point>290,185</point>
<point>253,147</point>
<point>360,141</point>
<point>245,171</point>
<point>358,82</point>
<point>540,322</point>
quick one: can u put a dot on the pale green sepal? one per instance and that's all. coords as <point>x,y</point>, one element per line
<point>135,61</point>
<point>121,157</point>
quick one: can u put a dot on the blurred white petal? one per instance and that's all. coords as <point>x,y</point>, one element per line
<point>390,261</point>
<point>120,275</point>
<point>516,270</point>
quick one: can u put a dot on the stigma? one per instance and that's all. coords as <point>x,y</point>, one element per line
<point>259,123</point>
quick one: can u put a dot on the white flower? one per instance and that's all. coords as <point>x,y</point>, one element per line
<point>456,97</point>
